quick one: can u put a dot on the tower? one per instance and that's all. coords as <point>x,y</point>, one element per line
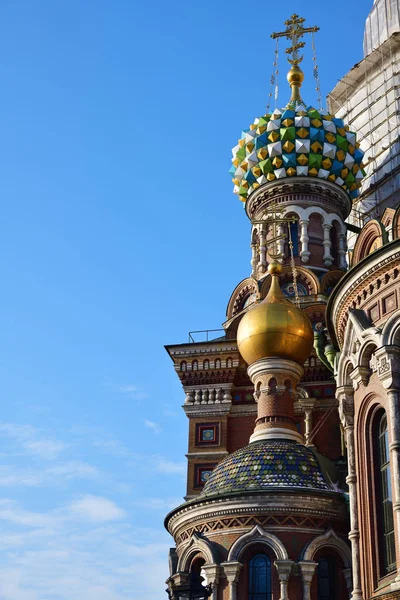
<point>265,513</point>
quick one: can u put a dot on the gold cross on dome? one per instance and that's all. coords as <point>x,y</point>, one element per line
<point>294,32</point>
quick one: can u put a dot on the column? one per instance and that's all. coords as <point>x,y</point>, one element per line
<point>342,251</point>
<point>328,259</point>
<point>281,242</point>
<point>231,572</point>
<point>307,568</point>
<point>189,399</point>
<point>304,239</point>
<point>263,250</point>
<point>284,568</point>
<point>253,261</point>
<point>307,405</point>
<point>212,575</point>
<point>345,396</point>
<point>388,369</point>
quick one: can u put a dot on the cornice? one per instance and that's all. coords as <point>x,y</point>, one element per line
<point>298,190</point>
<point>301,502</point>
<point>370,266</point>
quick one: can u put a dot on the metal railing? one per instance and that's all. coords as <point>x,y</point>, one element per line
<point>205,335</point>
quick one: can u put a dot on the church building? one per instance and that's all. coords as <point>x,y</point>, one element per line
<point>293,481</point>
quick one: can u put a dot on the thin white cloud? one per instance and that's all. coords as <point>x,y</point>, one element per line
<point>29,439</point>
<point>132,391</point>
<point>13,476</point>
<point>162,505</point>
<point>48,449</point>
<point>168,466</point>
<point>96,508</point>
<point>155,427</point>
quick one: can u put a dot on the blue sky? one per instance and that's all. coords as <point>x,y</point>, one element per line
<point>119,234</point>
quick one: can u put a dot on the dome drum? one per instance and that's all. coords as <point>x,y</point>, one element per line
<point>300,192</point>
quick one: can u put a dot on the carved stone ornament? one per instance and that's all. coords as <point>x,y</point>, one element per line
<point>388,366</point>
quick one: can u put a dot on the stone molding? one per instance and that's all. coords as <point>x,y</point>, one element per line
<point>331,540</point>
<point>361,278</point>
<point>196,544</point>
<point>298,191</point>
<point>327,506</point>
<point>257,535</point>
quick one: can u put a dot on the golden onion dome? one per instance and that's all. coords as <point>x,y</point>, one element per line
<point>275,327</point>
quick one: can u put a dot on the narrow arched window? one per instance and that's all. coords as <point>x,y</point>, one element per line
<point>218,364</point>
<point>195,365</point>
<point>385,518</point>
<point>229,363</point>
<point>183,365</point>
<point>294,235</point>
<point>260,578</point>
<point>326,579</point>
<point>206,365</point>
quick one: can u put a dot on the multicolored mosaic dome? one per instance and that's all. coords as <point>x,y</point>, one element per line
<point>267,464</point>
<point>297,141</point>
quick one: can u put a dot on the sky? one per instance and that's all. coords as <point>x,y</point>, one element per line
<point>119,233</point>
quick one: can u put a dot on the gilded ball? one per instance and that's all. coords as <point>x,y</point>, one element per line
<point>275,328</point>
<point>275,268</point>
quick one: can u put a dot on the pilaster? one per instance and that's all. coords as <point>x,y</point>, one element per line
<point>388,369</point>
<point>307,568</point>
<point>231,571</point>
<point>284,568</point>
<point>345,396</point>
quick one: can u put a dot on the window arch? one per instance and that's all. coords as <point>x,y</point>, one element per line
<point>183,365</point>
<point>218,363</point>
<point>195,365</point>
<point>206,365</point>
<point>229,363</point>
<point>385,514</point>
<point>260,578</point>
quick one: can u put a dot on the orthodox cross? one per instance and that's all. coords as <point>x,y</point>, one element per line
<point>294,32</point>
<point>274,216</point>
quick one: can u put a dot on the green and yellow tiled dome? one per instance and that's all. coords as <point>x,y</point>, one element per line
<point>268,464</point>
<point>297,141</point>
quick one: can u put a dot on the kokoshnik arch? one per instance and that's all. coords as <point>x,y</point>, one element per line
<point>293,488</point>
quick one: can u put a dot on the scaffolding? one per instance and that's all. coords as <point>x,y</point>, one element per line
<point>368,100</point>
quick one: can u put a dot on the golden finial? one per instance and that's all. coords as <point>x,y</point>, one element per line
<point>294,32</point>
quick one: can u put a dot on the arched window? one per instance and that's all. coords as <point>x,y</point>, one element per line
<point>218,364</point>
<point>229,363</point>
<point>206,365</point>
<point>326,579</point>
<point>294,235</point>
<point>195,365</point>
<point>260,578</point>
<point>183,365</point>
<point>385,515</point>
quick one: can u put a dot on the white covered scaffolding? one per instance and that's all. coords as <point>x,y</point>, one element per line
<point>368,100</point>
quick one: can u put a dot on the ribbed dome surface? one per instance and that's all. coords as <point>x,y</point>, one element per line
<point>297,141</point>
<point>267,464</point>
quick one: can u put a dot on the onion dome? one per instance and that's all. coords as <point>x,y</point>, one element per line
<point>268,464</point>
<point>275,327</point>
<point>300,141</point>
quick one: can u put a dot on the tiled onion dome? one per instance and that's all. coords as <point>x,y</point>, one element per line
<point>297,141</point>
<point>267,464</point>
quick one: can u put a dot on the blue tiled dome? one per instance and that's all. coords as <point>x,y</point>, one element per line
<point>267,464</point>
